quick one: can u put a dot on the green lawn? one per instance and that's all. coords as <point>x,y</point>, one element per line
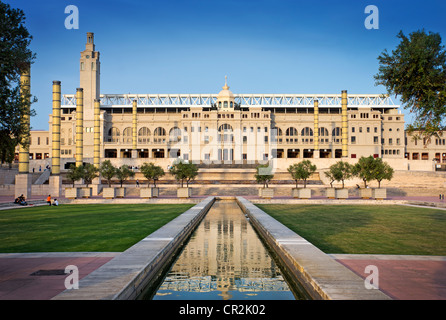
<point>366,229</point>
<point>82,228</point>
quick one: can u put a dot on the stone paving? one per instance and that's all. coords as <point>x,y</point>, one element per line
<point>18,283</point>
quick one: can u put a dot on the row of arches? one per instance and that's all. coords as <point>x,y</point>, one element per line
<point>308,132</point>
<point>175,131</point>
<point>142,132</point>
<point>158,132</point>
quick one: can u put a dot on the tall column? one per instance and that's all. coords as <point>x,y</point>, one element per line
<point>344,124</point>
<point>25,89</point>
<point>23,178</point>
<point>96,186</point>
<point>55,179</point>
<point>134,130</point>
<point>55,159</point>
<point>79,127</point>
<point>316,151</point>
<point>97,133</point>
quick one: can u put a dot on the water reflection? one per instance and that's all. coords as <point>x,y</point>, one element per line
<point>224,259</point>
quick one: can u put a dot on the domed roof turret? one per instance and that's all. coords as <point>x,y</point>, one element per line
<point>225,93</point>
<point>225,98</point>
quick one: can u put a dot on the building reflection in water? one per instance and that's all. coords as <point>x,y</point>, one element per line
<point>224,259</point>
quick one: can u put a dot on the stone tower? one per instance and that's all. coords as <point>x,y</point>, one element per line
<point>90,70</point>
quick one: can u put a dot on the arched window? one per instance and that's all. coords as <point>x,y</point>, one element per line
<point>225,128</point>
<point>127,134</point>
<point>159,132</point>
<point>291,132</point>
<point>277,131</point>
<point>143,135</point>
<point>323,132</point>
<point>336,133</point>
<point>225,133</point>
<point>175,134</point>
<point>113,134</point>
<point>144,132</point>
<point>159,135</point>
<point>307,132</point>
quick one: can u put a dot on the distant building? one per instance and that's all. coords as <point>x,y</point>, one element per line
<point>233,128</point>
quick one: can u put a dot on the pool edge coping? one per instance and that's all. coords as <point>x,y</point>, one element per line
<point>317,272</point>
<point>126,276</point>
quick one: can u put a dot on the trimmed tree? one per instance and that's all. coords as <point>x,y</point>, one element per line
<point>383,171</point>
<point>365,169</point>
<point>152,172</point>
<point>89,172</point>
<point>302,171</point>
<point>123,173</point>
<point>184,172</point>
<point>264,174</point>
<point>74,173</point>
<point>108,171</point>
<point>341,171</point>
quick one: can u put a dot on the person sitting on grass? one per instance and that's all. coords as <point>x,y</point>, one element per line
<point>22,200</point>
<point>55,203</point>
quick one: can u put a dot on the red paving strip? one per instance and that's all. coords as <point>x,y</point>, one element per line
<point>17,283</point>
<point>405,279</point>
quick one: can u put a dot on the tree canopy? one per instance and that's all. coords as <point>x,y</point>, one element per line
<point>302,171</point>
<point>108,171</point>
<point>15,56</point>
<point>416,72</point>
<point>184,171</point>
<point>123,173</point>
<point>340,171</point>
<point>152,172</point>
<point>264,174</point>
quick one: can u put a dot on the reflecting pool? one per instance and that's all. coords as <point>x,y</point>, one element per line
<point>224,259</point>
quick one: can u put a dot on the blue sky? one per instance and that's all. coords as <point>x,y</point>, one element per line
<point>263,46</point>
